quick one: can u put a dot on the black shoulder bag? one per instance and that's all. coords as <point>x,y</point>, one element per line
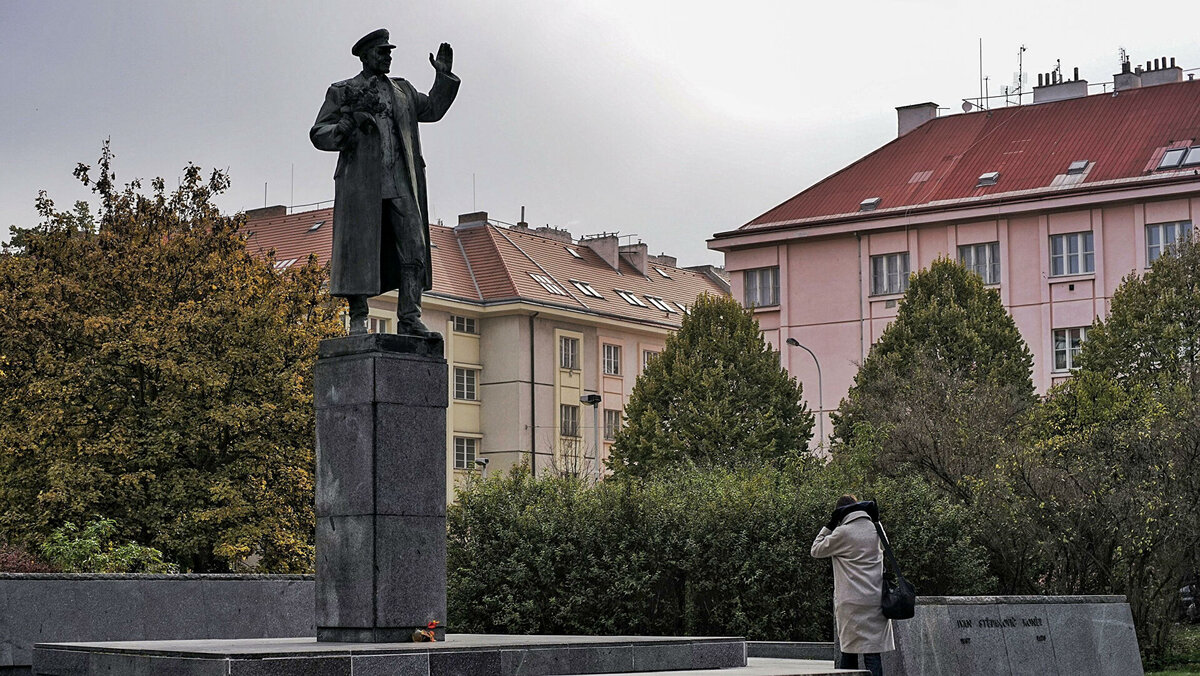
<point>899,598</point>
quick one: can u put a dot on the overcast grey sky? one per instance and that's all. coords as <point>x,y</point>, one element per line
<point>668,120</point>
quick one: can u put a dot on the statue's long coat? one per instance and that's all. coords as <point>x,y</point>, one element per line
<point>363,264</point>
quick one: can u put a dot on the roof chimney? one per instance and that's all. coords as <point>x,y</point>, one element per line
<point>910,117</point>
<point>266,212</point>
<point>1053,88</point>
<point>636,255</point>
<point>1163,73</point>
<point>472,220</point>
<point>664,259</point>
<point>606,247</point>
<point>1127,78</point>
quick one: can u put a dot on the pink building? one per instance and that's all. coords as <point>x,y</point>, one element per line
<point>1052,203</point>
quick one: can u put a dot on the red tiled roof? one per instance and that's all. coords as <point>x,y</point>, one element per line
<point>487,263</point>
<point>1123,134</point>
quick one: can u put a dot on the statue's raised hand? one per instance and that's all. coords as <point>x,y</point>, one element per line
<point>444,60</point>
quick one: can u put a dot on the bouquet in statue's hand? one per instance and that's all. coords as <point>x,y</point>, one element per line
<point>359,108</point>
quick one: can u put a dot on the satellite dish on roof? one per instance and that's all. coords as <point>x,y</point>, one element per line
<point>967,106</point>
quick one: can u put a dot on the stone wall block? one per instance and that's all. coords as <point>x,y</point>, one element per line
<point>345,557</point>
<point>345,452</point>
<point>412,571</point>
<point>410,460</point>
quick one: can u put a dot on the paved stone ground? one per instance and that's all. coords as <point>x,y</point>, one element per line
<point>765,666</point>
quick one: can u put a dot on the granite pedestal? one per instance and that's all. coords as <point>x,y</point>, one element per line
<point>381,487</point>
<point>1014,635</point>
<point>458,655</point>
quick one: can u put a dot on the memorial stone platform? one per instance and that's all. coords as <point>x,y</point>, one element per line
<point>458,655</point>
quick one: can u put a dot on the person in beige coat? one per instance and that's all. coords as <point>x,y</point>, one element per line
<point>850,540</point>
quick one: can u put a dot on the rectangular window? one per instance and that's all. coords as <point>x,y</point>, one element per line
<point>586,289</point>
<point>1162,237</point>
<point>889,274</point>
<point>630,298</point>
<point>612,423</point>
<point>548,284</point>
<point>465,325</point>
<point>646,356</point>
<point>1067,343</point>
<point>377,325</point>
<point>568,353</point>
<point>660,304</point>
<point>1072,254</point>
<point>612,360</point>
<point>465,384</point>
<point>465,450</point>
<point>982,259</point>
<point>761,287</point>
<point>569,415</point>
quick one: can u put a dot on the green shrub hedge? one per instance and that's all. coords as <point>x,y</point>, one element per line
<point>694,552</point>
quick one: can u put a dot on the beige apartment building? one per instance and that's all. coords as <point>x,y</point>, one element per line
<point>545,334</point>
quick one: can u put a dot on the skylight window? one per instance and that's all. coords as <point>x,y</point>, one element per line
<point>573,252</point>
<point>989,178</point>
<point>548,284</point>
<point>660,304</point>
<point>1077,167</point>
<point>285,264</point>
<point>630,298</point>
<point>870,204</point>
<point>586,289</point>
<point>1192,158</point>
<point>316,225</point>
<point>1172,158</point>
<point>682,307</point>
<point>662,272</point>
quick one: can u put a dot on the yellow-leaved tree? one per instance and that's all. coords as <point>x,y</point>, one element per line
<point>155,373</point>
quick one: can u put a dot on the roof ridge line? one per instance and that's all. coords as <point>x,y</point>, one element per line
<point>539,266</point>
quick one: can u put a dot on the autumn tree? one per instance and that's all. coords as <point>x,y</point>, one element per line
<point>1115,472</point>
<point>154,373</point>
<point>948,381</point>
<point>715,396</point>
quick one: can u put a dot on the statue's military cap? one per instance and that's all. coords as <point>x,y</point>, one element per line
<point>375,38</point>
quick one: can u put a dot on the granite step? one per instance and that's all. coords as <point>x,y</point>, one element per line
<point>765,666</point>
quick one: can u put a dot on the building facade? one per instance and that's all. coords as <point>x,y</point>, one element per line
<point>545,335</point>
<point>1051,203</point>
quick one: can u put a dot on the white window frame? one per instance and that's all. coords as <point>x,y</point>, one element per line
<point>760,287</point>
<point>983,259</point>
<point>586,289</point>
<point>661,304</point>
<point>568,353</point>
<point>466,449</point>
<point>1165,236</point>
<point>548,284</point>
<point>612,423</point>
<point>612,359</point>
<point>1067,344</point>
<point>466,325</point>
<point>646,355</point>
<point>889,274</point>
<point>568,419</point>
<point>466,384</point>
<point>630,298</point>
<point>1072,253</point>
<point>378,325</point>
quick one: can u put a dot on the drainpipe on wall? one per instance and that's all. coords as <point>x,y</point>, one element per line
<point>532,404</point>
<point>861,339</point>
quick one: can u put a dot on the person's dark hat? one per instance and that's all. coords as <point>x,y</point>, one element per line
<point>375,38</point>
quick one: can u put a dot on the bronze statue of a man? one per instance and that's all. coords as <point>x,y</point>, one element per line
<point>380,212</point>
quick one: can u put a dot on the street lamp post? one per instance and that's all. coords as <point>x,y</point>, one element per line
<point>820,395</point>
<point>594,400</point>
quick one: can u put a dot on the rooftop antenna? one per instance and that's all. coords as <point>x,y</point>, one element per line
<point>982,101</point>
<point>264,194</point>
<point>1019,79</point>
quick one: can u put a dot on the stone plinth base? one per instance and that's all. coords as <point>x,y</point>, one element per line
<point>459,654</point>
<point>1013,635</point>
<point>381,487</point>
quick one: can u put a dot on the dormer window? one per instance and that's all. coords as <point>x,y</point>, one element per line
<point>870,204</point>
<point>989,178</point>
<point>1172,158</point>
<point>1077,167</point>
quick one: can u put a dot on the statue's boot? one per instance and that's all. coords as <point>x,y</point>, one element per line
<point>358,315</point>
<point>408,306</point>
